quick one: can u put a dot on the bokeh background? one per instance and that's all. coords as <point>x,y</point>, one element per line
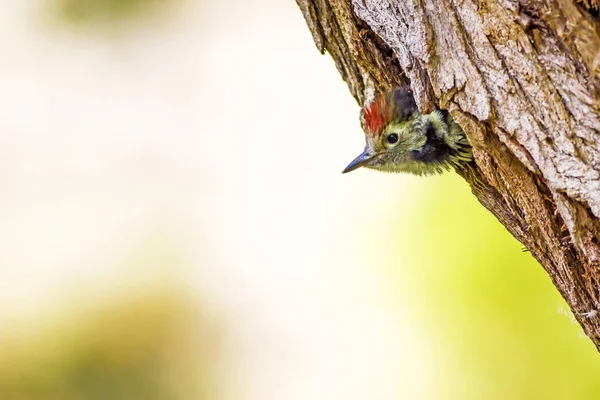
<point>175,226</point>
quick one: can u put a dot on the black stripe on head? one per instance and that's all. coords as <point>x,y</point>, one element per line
<point>435,150</point>
<point>404,103</point>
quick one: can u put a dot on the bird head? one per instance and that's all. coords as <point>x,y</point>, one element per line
<point>400,139</point>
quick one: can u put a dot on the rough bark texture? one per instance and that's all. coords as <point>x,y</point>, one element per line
<point>522,79</point>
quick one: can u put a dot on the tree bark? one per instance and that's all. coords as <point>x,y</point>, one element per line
<point>522,79</point>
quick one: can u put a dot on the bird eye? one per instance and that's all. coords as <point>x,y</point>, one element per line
<point>392,138</point>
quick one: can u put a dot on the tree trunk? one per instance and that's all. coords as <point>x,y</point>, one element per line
<point>522,79</point>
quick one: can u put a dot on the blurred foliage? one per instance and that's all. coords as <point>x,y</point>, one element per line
<point>490,309</point>
<point>107,11</point>
<point>152,346</point>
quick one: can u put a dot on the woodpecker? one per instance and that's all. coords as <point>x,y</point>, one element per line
<point>400,139</point>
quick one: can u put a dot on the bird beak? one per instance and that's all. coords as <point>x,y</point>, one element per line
<point>359,161</point>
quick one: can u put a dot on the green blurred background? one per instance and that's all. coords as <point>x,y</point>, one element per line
<point>175,226</point>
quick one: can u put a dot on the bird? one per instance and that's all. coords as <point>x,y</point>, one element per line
<point>401,139</point>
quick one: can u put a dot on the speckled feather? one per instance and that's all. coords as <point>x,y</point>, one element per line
<point>400,139</point>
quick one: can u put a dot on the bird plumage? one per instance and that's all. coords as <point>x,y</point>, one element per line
<point>400,139</point>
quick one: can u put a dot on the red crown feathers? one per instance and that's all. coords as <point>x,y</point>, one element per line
<point>377,115</point>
